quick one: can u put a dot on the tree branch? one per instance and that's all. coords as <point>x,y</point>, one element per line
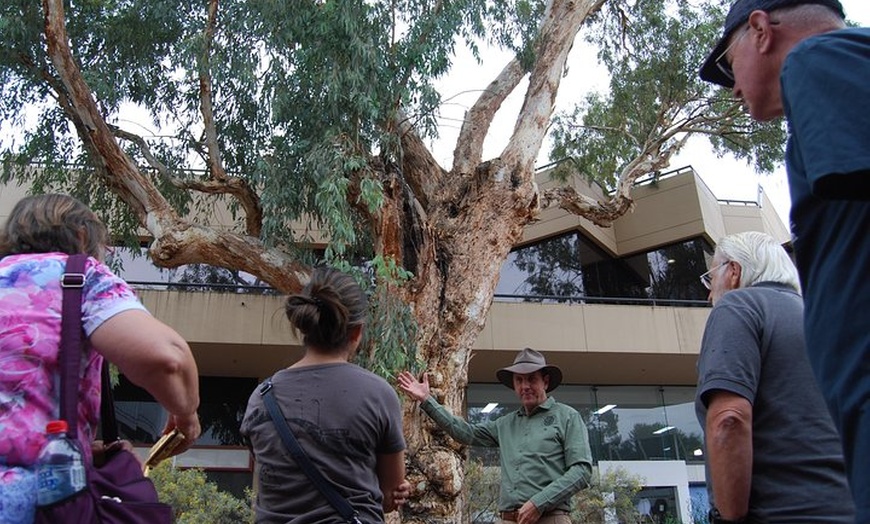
<point>213,161</point>
<point>114,165</point>
<point>654,156</point>
<point>469,145</point>
<point>184,243</point>
<point>558,30</point>
<point>135,189</point>
<point>235,186</point>
<point>420,169</point>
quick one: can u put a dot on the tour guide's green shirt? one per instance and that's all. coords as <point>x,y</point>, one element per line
<point>544,457</point>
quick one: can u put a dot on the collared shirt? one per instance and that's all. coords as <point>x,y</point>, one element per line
<point>753,346</point>
<point>544,456</point>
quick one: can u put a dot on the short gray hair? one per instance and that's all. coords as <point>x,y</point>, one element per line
<point>761,259</point>
<point>809,17</point>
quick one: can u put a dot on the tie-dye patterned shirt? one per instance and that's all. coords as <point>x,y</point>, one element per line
<point>30,318</point>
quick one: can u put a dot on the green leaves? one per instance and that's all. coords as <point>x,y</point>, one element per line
<point>304,93</point>
<point>196,500</point>
<point>652,51</point>
<point>389,342</point>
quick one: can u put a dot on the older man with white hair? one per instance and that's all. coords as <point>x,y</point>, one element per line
<point>772,452</point>
<point>797,58</point>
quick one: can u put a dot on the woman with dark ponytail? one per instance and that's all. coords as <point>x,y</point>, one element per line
<point>348,420</point>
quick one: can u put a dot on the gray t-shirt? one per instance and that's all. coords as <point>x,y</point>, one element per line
<point>753,346</point>
<point>343,417</point>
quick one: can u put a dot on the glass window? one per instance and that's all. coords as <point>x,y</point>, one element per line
<point>657,505</point>
<point>672,271</point>
<point>687,432</point>
<point>624,422</point>
<point>572,268</point>
<point>635,428</point>
<point>223,401</point>
<point>234,482</point>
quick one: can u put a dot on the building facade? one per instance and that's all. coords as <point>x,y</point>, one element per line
<point>620,310</point>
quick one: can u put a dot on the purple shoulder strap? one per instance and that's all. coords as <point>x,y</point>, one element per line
<point>70,356</point>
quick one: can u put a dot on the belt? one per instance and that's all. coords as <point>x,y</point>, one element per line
<point>514,515</point>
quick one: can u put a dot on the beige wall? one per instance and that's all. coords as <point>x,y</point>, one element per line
<point>231,334</point>
<point>247,335</point>
<point>9,195</point>
<point>666,212</point>
<point>677,207</point>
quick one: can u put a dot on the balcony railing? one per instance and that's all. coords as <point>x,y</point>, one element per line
<point>579,299</point>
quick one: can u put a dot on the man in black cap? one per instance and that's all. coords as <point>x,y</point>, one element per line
<point>796,58</point>
<point>543,446</point>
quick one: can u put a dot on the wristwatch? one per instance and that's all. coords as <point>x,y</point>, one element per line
<point>716,518</point>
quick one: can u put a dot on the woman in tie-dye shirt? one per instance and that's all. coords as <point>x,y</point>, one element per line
<point>34,244</point>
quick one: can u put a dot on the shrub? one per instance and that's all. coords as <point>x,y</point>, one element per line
<point>608,498</point>
<point>195,499</point>
<point>482,484</point>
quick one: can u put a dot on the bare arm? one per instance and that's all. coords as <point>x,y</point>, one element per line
<point>391,477</point>
<point>154,356</point>
<point>728,436</point>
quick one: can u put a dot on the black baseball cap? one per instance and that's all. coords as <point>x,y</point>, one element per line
<point>739,15</point>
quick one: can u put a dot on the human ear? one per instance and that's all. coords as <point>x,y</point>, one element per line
<point>761,31</point>
<point>734,275</point>
<point>354,335</point>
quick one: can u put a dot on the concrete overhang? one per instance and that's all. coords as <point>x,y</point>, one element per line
<point>247,335</point>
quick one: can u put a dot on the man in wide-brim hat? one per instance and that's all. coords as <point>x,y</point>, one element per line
<point>543,446</point>
<point>529,361</point>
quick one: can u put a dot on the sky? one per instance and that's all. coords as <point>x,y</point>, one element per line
<point>727,178</point>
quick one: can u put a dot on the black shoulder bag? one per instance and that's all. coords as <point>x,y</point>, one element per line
<point>337,501</point>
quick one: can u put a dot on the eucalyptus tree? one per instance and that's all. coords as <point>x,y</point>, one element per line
<point>654,103</point>
<point>294,112</point>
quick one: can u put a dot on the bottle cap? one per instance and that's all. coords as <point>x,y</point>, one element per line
<point>57,426</point>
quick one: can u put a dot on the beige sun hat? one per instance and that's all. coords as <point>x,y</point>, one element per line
<point>529,361</point>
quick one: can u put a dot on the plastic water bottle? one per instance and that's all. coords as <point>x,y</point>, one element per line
<point>60,472</point>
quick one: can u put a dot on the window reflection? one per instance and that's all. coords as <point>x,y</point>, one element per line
<point>571,268</point>
<point>646,423</point>
<point>134,266</point>
<point>141,419</point>
<point>680,405</point>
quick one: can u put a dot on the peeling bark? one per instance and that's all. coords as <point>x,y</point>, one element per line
<point>176,241</point>
<point>451,229</point>
<point>186,243</point>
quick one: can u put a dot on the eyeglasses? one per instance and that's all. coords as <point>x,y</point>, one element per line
<point>723,65</point>
<point>707,278</point>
